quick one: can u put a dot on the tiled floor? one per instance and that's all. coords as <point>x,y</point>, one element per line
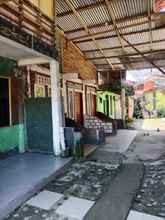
<point>75,208</point>
<point>46,200</point>
<point>22,175</point>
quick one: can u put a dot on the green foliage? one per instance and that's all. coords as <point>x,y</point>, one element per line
<point>138,109</point>
<point>129,120</point>
<point>112,87</point>
<point>129,90</point>
<point>161,113</point>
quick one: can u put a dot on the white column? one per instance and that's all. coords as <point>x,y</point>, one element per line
<point>65,97</point>
<point>123,107</point>
<point>56,114</point>
<point>84,100</point>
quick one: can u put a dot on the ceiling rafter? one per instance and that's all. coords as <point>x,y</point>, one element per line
<point>145,57</point>
<point>112,17</point>
<point>125,34</point>
<point>132,61</point>
<point>128,55</point>
<point>150,24</point>
<point>70,4</point>
<point>111,14</point>
<point>103,68</point>
<point>111,30</point>
<point>4,1</point>
<point>118,21</point>
<point>126,46</point>
<point>137,23</point>
<point>82,8</point>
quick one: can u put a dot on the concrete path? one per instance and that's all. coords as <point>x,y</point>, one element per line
<point>147,148</point>
<point>149,124</point>
<point>23,175</point>
<point>116,202</point>
<point>121,141</point>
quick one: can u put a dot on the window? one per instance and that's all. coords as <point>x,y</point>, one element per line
<point>71,104</point>
<point>111,107</point>
<point>107,104</point>
<point>4,102</point>
<point>114,100</point>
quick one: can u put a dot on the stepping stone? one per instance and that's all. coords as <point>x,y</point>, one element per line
<point>46,200</point>
<point>75,208</point>
<point>134,215</point>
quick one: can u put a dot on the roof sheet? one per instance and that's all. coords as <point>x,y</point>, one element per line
<point>132,20</point>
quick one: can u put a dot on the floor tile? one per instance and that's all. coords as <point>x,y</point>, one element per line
<point>45,200</point>
<point>75,208</point>
<point>133,215</point>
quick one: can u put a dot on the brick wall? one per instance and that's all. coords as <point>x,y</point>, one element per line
<point>95,122</point>
<point>73,61</point>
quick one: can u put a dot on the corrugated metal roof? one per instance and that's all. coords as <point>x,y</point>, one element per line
<point>131,18</point>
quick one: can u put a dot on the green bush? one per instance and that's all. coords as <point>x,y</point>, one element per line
<point>129,120</point>
<point>161,113</point>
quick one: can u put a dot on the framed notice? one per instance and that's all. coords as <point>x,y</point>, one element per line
<point>39,90</point>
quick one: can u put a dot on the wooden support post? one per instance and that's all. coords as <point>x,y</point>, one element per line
<point>21,15</point>
<point>54,23</point>
<point>39,21</point>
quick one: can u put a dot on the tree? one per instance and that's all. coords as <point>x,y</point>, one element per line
<point>138,109</point>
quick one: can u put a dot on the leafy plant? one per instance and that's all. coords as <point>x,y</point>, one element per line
<point>161,113</point>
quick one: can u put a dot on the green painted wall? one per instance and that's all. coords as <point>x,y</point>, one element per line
<point>102,103</point>
<point>12,137</point>
<point>160,100</point>
<point>6,67</point>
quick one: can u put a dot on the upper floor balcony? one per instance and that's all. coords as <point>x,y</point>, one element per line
<point>24,23</point>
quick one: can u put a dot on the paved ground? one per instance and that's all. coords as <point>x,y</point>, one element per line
<point>149,124</point>
<point>22,175</point>
<point>150,150</point>
<point>147,146</point>
<point>86,180</point>
<point>116,202</point>
<point>90,180</point>
<point>116,182</point>
<point>121,141</point>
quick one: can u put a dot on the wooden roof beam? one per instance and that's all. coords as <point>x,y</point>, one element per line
<point>150,23</point>
<point>112,17</point>
<point>104,68</point>
<point>82,8</point>
<point>70,4</point>
<point>4,1</point>
<point>126,34</point>
<point>112,30</point>
<point>135,17</point>
<point>133,61</point>
<point>126,46</point>
<point>142,54</point>
<point>128,55</point>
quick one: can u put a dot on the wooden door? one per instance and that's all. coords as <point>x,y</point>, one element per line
<point>93,104</point>
<point>78,108</point>
<point>39,125</point>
